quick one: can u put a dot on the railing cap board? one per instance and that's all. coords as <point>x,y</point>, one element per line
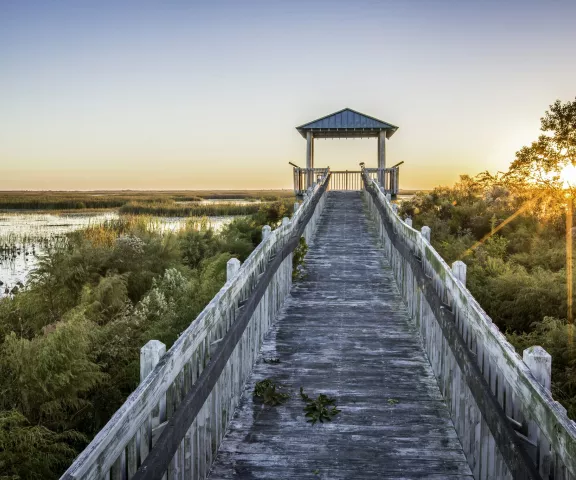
<point>536,401</point>
<point>98,457</point>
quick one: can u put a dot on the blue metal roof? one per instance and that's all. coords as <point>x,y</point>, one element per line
<point>346,123</point>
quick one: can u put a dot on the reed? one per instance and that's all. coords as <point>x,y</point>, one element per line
<point>172,209</point>
<point>115,199</point>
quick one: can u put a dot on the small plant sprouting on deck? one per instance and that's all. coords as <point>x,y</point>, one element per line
<point>392,401</point>
<point>267,391</point>
<point>272,361</point>
<point>321,409</point>
<point>298,262</point>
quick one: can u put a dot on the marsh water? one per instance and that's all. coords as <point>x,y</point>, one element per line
<point>24,237</point>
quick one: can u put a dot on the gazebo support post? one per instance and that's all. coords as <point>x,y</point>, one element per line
<point>382,158</point>
<point>309,159</point>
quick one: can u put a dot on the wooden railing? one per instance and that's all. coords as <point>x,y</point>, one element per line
<point>346,180</point>
<point>389,178</point>
<point>304,177</point>
<point>172,424</point>
<point>508,423</point>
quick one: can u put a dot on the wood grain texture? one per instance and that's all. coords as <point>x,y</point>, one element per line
<point>345,332</point>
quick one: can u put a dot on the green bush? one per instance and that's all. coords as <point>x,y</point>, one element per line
<point>70,341</point>
<point>512,237</point>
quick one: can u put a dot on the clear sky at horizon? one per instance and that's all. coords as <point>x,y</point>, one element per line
<point>188,95</point>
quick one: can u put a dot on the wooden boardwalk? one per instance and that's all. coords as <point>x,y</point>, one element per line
<point>344,332</point>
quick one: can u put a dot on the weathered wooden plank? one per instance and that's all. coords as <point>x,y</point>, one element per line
<point>344,332</point>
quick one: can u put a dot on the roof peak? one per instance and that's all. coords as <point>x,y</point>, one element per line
<point>347,123</point>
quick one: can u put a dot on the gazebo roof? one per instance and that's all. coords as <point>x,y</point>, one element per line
<point>347,123</point>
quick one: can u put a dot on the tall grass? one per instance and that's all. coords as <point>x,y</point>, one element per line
<point>116,199</point>
<point>171,209</point>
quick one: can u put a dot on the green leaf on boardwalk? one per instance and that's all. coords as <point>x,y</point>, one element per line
<point>321,409</point>
<point>267,391</point>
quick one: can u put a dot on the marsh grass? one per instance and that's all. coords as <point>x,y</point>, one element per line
<point>58,201</point>
<point>80,321</point>
<point>172,209</point>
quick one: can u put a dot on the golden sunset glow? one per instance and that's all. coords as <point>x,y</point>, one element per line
<point>568,176</point>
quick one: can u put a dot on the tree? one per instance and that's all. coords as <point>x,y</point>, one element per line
<point>30,451</point>
<point>542,162</point>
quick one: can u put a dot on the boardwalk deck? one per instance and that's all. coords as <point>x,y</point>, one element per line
<point>345,332</point>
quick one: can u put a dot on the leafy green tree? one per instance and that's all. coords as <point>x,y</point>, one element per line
<point>544,159</point>
<point>33,451</point>
<point>196,245</point>
<point>46,378</point>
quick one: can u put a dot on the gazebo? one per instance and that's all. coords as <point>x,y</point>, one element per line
<point>348,123</point>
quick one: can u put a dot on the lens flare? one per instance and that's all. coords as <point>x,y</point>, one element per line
<point>568,176</point>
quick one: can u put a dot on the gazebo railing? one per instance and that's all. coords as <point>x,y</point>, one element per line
<point>389,178</point>
<point>305,177</point>
<point>346,179</point>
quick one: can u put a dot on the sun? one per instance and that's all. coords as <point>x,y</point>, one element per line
<point>568,176</point>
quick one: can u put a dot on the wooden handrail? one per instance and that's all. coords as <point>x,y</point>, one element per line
<point>550,449</point>
<point>157,461</point>
<point>124,443</point>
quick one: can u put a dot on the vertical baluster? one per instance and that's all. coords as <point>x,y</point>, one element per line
<point>132,456</point>
<point>539,361</point>
<point>118,470</point>
<point>150,355</point>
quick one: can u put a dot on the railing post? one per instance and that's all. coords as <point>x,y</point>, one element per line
<point>459,269</point>
<point>539,361</point>
<point>408,221</point>
<point>296,207</point>
<point>426,233</point>
<point>150,355</point>
<point>232,268</point>
<point>388,197</point>
<point>285,221</point>
<point>266,231</point>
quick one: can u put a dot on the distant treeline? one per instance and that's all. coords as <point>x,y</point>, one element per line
<point>103,200</point>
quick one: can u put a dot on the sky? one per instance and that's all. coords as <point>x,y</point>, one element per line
<point>189,95</point>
